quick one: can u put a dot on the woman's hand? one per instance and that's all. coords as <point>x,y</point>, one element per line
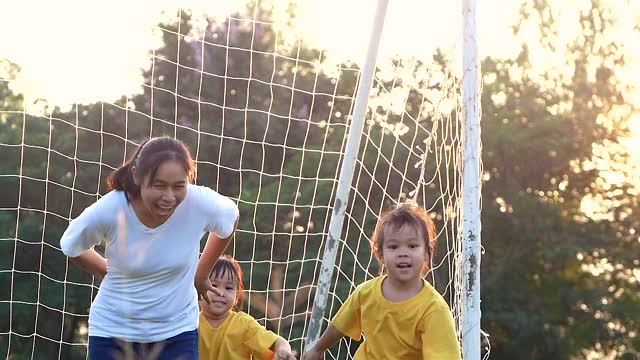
<point>203,287</point>
<point>212,250</point>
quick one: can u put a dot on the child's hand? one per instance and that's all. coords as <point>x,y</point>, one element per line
<point>312,354</point>
<point>283,354</point>
<point>203,287</point>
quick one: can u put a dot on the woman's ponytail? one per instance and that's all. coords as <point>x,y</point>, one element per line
<point>122,179</point>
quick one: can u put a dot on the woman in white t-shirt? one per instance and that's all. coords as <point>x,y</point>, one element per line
<point>151,222</point>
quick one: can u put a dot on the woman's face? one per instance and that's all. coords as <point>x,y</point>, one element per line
<point>167,190</point>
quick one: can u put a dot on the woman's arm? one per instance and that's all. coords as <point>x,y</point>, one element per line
<point>89,229</point>
<point>214,247</point>
<point>91,262</point>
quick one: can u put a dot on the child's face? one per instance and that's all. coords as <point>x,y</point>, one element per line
<point>228,286</point>
<point>403,252</point>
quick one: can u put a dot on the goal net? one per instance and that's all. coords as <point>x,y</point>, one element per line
<point>266,115</point>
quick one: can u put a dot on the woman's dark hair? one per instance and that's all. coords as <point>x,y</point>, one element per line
<point>398,216</point>
<point>147,158</point>
<point>229,267</point>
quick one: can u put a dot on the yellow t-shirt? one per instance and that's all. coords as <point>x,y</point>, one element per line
<point>238,338</point>
<point>418,328</point>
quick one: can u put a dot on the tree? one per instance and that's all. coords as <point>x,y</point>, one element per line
<point>555,283</point>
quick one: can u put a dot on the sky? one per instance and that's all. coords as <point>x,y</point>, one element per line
<point>65,41</point>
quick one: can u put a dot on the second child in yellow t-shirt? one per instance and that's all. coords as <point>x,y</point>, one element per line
<point>224,332</point>
<point>401,316</point>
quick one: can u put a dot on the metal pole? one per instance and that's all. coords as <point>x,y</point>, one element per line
<point>471,185</point>
<point>346,175</point>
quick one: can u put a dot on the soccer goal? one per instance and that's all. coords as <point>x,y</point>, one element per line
<point>311,148</point>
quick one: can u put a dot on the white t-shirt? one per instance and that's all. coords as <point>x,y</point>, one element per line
<point>148,293</point>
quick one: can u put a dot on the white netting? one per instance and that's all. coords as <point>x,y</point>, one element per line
<point>266,118</point>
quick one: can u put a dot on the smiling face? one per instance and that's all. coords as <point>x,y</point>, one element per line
<point>160,195</point>
<point>220,305</point>
<point>404,253</point>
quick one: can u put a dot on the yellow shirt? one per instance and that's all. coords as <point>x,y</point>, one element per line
<point>239,337</point>
<point>418,328</point>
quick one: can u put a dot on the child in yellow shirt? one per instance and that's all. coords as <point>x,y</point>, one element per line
<point>225,332</point>
<point>399,313</point>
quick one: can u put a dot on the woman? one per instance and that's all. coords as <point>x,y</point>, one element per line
<point>151,223</point>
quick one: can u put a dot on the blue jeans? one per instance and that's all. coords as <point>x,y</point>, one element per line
<point>183,346</point>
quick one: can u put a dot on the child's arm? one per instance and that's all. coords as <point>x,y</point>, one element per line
<point>282,350</point>
<point>327,340</point>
